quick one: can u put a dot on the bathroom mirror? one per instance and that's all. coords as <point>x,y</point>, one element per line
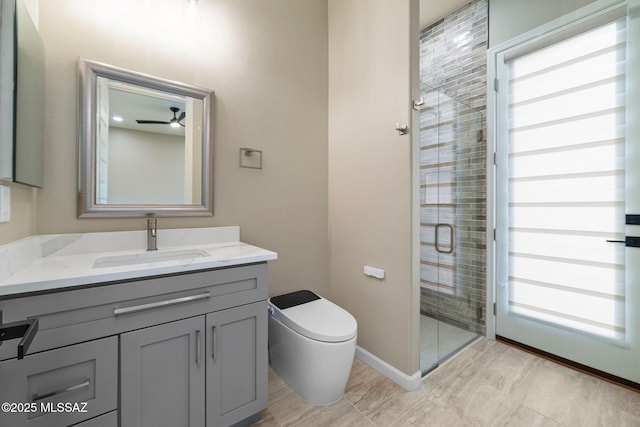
<point>145,145</point>
<point>7,67</point>
<point>22,80</point>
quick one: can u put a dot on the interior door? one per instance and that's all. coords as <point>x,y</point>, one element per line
<point>567,261</point>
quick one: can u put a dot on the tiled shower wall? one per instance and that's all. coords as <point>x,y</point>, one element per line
<point>453,55</point>
<point>453,63</point>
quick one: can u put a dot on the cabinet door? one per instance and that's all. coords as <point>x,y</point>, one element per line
<point>60,387</point>
<point>162,376</point>
<point>237,373</point>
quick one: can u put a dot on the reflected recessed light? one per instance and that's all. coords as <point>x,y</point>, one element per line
<point>117,119</point>
<point>174,124</point>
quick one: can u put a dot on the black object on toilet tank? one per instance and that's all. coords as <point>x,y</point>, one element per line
<point>293,299</point>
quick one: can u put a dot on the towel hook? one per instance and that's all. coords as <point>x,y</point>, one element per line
<point>402,130</point>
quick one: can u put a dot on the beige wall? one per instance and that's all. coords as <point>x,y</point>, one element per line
<point>509,18</point>
<point>370,196</point>
<point>266,61</point>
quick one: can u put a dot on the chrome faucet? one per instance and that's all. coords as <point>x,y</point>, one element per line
<point>152,232</point>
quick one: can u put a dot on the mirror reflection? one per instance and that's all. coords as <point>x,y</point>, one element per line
<point>147,151</point>
<point>145,145</point>
<point>29,102</point>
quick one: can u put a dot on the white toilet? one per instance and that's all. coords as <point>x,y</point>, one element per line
<point>312,342</point>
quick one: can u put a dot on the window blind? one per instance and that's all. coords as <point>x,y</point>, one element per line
<point>566,182</point>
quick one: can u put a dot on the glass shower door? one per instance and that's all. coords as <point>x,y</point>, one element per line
<point>452,221</point>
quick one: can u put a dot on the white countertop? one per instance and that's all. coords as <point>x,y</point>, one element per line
<point>54,262</point>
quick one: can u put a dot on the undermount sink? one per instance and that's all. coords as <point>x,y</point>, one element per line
<point>147,257</point>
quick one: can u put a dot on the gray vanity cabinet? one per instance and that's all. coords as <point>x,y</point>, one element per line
<point>236,364</point>
<point>181,350</point>
<point>167,370</point>
<point>163,376</point>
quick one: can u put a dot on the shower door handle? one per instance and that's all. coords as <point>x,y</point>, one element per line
<point>443,251</point>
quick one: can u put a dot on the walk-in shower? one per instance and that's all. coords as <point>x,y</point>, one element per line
<point>452,226</point>
<point>452,164</point>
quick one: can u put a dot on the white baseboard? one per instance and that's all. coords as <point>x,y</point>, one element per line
<point>411,383</point>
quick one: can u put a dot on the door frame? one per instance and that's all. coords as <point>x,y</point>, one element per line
<point>493,129</point>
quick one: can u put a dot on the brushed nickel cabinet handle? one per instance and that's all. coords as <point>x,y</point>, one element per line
<point>160,304</point>
<point>84,384</point>
<point>213,343</point>
<point>198,347</point>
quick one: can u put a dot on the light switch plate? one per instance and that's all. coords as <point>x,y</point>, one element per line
<point>5,203</point>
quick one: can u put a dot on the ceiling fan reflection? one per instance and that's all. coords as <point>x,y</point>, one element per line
<point>174,122</point>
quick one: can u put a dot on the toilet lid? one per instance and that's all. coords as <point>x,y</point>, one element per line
<point>320,320</point>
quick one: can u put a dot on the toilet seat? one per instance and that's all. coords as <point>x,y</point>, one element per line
<point>319,320</point>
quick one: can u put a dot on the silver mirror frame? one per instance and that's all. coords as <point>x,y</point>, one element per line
<point>88,72</point>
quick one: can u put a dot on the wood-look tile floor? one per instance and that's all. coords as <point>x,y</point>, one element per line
<point>487,384</point>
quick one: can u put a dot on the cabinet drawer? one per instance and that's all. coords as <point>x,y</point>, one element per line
<point>89,313</point>
<point>106,420</point>
<point>61,387</point>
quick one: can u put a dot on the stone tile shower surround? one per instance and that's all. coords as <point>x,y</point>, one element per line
<point>453,153</point>
<point>453,55</point>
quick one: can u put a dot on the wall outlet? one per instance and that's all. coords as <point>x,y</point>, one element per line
<point>5,203</point>
<point>378,273</point>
